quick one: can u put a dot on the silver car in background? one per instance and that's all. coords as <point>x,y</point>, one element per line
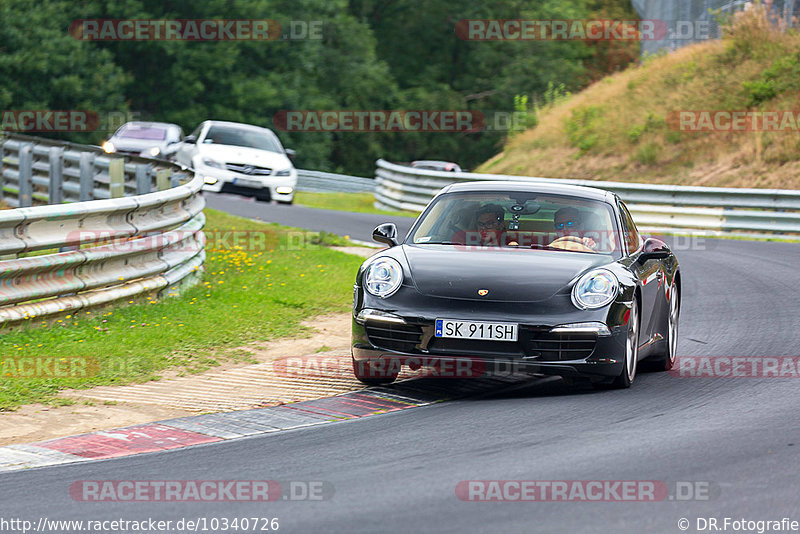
<point>148,139</point>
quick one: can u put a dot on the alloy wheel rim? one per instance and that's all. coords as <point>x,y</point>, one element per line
<point>631,346</point>
<point>673,324</point>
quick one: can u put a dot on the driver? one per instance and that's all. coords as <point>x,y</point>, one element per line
<point>490,228</point>
<point>569,226</point>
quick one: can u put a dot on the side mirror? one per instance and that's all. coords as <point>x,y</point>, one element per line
<point>291,153</point>
<point>654,249</point>
<point>190,139</point>
<point>386,233</point>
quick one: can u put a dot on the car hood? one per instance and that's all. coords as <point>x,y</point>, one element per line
<point>509,275</point>
<point>135,145</point>
<point>239,154</point>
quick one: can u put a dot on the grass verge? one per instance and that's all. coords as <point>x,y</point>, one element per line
<point>261,281</point>
<point>353,202</point>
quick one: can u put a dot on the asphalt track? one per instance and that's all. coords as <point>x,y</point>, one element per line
<point>398,472</point>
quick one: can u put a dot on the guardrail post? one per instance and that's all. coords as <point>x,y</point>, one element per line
<point>143,185</point>
<point>87,176</point>
<point>2,167</point>
<point>55,192</point>
<point>25,175</point>
<point>163,179</point>
<point>116,178</point>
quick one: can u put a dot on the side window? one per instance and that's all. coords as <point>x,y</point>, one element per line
<point>631,234</point>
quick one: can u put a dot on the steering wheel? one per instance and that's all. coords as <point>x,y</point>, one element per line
<point>570,242</point>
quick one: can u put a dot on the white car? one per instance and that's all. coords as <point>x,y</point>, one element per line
<point>240,158</point>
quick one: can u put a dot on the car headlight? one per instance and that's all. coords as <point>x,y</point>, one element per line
<point>595,289</point>
<point>108,147</point>
<point>155,151</point>
<point>284,172</point>
<point>383,277</point>
<point>212,163</point>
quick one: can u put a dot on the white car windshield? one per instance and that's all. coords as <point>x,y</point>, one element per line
<point>227,135</point>
<point>136,131</point>
<point>519,220</point>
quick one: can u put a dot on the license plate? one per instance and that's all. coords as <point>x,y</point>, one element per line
<point>247,183</point>
<point>476,330</point>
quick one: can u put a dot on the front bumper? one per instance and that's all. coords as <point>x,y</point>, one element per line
<point>388,338</point>
<point>281,188</point>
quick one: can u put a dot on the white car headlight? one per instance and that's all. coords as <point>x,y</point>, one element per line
<point>108,147</point>
<point>284,172</point>
<point>155,151</point>
<point>212,163</point>
<point>595,289</point>
<point>383,277</point>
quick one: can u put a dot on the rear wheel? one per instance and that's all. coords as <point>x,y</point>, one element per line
<point>385,372</point>
<point>666,360</point>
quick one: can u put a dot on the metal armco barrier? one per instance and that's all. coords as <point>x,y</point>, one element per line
<point>102,250</point>
<point>328,182</point>
<point>698,210</point>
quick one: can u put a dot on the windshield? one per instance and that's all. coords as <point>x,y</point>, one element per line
<point>137,131</point>
<point>520,220</point>
<point>227,135</point>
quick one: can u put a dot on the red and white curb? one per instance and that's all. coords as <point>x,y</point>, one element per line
<point>210,428</point>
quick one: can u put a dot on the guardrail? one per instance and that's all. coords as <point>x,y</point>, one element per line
<point>696,210</point>
<point>56,171</point>
<point>102,250</point>
<point>328,182</point>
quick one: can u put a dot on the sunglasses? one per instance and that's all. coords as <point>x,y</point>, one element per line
<point>566,224</point>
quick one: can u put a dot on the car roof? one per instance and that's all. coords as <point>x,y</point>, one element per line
<point>531,187</point>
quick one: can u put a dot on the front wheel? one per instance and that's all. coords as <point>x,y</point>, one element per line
<point>625,378</point>
<point>382,372</point>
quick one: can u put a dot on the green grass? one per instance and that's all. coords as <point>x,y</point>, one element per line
<point>276,278</point>
<point>627,127</point>
<point>353,202</point>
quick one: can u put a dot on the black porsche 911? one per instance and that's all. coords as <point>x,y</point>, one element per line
<point>550,279</point>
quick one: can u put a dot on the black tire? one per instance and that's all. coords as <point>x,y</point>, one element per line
<point>371,376</point>
<point>263,198</point>
<point>628,374</point>
<point>666,360</point>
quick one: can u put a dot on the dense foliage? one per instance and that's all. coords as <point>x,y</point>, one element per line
<point>373,55</point>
